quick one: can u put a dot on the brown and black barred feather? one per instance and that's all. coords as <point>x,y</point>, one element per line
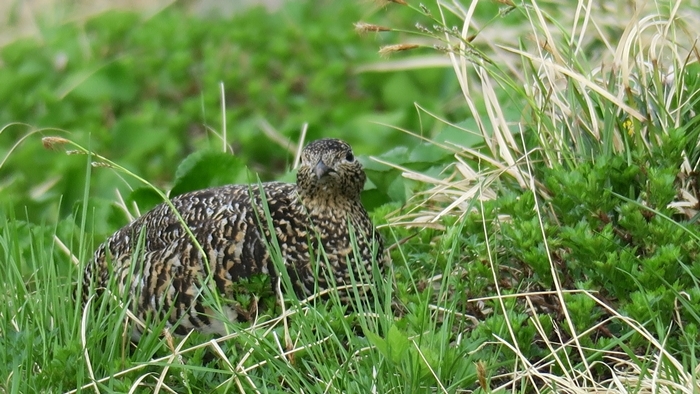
<point>318,212</point>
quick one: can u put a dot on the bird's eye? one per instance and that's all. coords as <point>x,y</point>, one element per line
<point>349,157</point>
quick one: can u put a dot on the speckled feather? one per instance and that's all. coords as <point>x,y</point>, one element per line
<point>230,225</point>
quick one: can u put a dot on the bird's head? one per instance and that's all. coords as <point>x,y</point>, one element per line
<point>329,170</point>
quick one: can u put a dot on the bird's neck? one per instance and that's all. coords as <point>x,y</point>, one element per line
<point>339,205</point>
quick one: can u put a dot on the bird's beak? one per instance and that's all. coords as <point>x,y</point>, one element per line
<point>321,169</point>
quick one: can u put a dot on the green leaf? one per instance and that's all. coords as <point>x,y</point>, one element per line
<point>466,134</point>
<point>397,343</point>
<point>378,343</point>
<point>145,198</point>
<point>207,168</point>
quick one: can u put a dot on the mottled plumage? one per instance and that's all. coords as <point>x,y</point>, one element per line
<point>168,270</point>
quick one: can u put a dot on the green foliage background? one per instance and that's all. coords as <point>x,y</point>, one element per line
<point>145,92</point>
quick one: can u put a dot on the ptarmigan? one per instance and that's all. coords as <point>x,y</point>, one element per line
<point>156,264</point>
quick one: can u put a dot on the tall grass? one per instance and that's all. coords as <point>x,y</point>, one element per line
<point>563,86</point>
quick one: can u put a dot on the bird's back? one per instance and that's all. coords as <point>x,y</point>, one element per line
<point>155,262</point>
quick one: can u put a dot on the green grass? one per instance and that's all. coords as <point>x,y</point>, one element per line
<point>542,204</point>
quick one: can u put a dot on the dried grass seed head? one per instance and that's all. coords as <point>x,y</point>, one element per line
<point>53,143</point>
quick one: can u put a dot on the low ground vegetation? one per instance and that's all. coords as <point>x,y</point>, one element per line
<point>540,193</point>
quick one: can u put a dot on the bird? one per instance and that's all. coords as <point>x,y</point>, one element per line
<point>317,225</point>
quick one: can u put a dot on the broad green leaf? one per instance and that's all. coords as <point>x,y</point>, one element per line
<point>145,198</point>
<point>207,168</point>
